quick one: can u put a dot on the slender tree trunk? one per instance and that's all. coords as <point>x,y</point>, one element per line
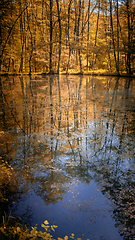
<point>110,63</point>
<point>82,31</point>
<point>35,37</point>
<point>96,34</point>
<point>25,37</point>
<point>79,51</point>
<point>31,42</point>
<point>31,52</point>
<point>51,32</point>
<point>88,35</point>
<point>0,48</point>
<point>118,35</point>
<point>43,17</point>
<point>75,28</point>
<point>111,23</point>
<point>108,43</point>
<point>129,40</point>
<point>69,8</point>
<point>59,20</point>
<point>22,41</point>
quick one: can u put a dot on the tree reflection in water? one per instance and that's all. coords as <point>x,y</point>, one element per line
<point>60,128</point>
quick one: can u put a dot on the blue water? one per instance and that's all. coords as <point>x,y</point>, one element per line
<point>84,211</point>
<point>71,143</point>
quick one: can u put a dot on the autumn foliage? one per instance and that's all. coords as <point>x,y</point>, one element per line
<point>70,36</point>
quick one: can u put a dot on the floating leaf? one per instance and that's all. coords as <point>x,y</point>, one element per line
<point>52,228</point>
<point>42,225</point>
<point>46,222</point>
<point>72,236</point>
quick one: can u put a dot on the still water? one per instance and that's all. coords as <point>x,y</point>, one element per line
<point>71,143</point>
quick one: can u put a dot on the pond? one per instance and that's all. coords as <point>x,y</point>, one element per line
<point>71,143</point>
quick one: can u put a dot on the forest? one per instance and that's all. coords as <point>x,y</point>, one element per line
<point>67,36</point>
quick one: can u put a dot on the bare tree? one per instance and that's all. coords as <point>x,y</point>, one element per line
<point>60,32</point>
<point>95,45</point>
<point>129,37</point>
<point>51,32</point>
<point>112,34</point>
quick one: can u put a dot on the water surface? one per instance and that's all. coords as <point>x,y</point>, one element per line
<point>71,142</point>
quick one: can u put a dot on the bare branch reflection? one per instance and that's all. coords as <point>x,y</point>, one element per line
<point>65,127</point>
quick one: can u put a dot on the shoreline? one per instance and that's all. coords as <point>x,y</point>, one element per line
<point>68,74</point>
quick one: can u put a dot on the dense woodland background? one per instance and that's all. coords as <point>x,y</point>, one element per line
<point>67,36</point>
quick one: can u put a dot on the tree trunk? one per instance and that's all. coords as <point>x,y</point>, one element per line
<point>129,40</point>
<point>96,34</point>
<point>118,35</point>
<point>79,51</point>
<point>59,20</point>
<point>0,48</point>
<point>51,32</point>
<point>22,41</point>
<point>69,8</point>
<point>111,23</point>
<point>88,34</point>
